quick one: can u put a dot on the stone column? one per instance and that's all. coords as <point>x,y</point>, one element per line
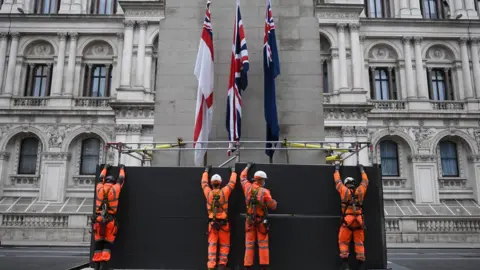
<point>458,67</point>
<point>127,54</point>
<point>467,78</point>
<point>134,134</point>
<point>415,8</point>
<point>17,82</point>
<point>53,176</point>
<point>12,61</point>
<point>460,9</point>
<point>475,179</point>
<point>408,67</point>
<point>342,56</point>
<point>58,76</point>
<point>476,65</point>
<point>403,84</point>
<point>3,54</point>
<point>364,67</point>
<point>72,55</point>
<point>148,70</point>
<point>470,9</point>
<point>422,90</point>
<point>78,71</point>
<point>4,157</point>
<point>355,49</point>
<point>141,52</point>
<point>425,178</point>
<point>336,70</point>
<point>118,70</point>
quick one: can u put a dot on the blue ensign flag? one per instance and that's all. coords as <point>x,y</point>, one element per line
<point>271,69</point>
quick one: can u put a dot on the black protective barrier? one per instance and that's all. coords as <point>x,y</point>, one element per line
<point>163,222</point>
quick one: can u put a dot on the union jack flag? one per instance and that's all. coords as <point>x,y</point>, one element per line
<point>238,81</point>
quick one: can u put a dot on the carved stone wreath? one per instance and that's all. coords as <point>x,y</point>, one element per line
<point>439,53</point>
<point>99,49</point>
<point>40,48</point>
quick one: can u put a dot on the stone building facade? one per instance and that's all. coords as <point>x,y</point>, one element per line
<point>403,75</point>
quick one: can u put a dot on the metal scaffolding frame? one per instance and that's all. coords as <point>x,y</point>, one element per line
<point>337,151</point>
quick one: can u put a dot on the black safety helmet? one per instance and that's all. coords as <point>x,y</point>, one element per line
<point>110,179</point>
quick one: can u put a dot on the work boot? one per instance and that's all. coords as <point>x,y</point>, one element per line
<point>344,265</point>
<point>103,266</point>
<point>361,265</point>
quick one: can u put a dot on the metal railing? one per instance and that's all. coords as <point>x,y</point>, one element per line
<point>337,151</point>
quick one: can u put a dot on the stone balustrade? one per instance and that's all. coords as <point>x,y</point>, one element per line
<point>433,229</point>
<point>92,102</point>
<point>24,180</point>
<point>35,220</point>
<point>30,101</point>
<point>389,104</point>
<point>448,105</point>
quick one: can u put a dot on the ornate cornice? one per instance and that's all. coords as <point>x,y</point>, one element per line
<point>333,112</point>
<point>144,110</point>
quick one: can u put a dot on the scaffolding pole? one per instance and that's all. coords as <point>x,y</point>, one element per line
<point>144,151</point>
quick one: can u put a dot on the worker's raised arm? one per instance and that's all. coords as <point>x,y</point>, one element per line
<point>364,184</point>
<point>268,200</point>
<point>103,173</point>
<point>121,175</point>
<point>206,189</point>
<point>243,177</point>
<point>231,184</point>
<point>341,188</point>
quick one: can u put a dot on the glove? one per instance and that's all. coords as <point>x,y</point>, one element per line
<point>208,168</point>
<point>337,167</point>
<point>250,164</point>
<point>360,166</point>
<point>122,166</point>
<point>232,169</point>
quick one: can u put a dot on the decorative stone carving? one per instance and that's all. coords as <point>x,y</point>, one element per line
<point>354,27</point>
<point>463,41</point>
<point>417,40</point>
<point>3,130</point>
<point>147,130</point>
<point>406,39</point>
<point>120,36</point>
<point>26,118</point>
<point>474,158</point>
<point>382,52</point>
<point>56,134</point>
<point>98,49</point>
<point>334,113</point>
<point>128,23</point>
<point>475,133</point>
<point>3,35</point>
<point>134,111</point>
<point>439,53</point>
<point>422,135</point>
<point>333,132</point>
<point>121,128</point>
<point>341,27</point>
<point>134,128</point>
<point>73,36</point>
<point>56,156</point>
<point>15,35</point>
<point>62,35</point>
<point>40,48</point>
<point>423,158</point>
<point>451,122</point>
<point>142,24</point>
<point>4,155</point>
<point>85,120</point>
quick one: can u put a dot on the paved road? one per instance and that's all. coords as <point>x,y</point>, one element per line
<point>44,258</point>
<point>61,258</point>
<point>435,259</point>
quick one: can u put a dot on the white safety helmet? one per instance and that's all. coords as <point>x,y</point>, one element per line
<point>216,178</point>
<point>348,180</point>
<point>260,175</point>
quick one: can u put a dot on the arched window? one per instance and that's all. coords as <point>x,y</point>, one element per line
<point>449,158</point>
<point>389,158</point>
<point>28,156</point>
<point>90,156</point>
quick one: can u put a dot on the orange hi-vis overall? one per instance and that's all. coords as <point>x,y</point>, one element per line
<point>105,226</point>
<point>218,226</point>
<point>353,217</point>
<point>256,231</point>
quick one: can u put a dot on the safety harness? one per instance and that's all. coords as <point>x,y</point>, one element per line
<point>353,202</point>
<point>252,204</point>
<point>217,224</point>
<point>105,207</point>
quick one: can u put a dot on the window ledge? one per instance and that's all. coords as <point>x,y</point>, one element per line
<point>84,181</point>
<point>92,101</point>
<point>389,104</point>
<point>452,182</point>
<point>24,180</point>
<point>30,101</point>
<point>447,105</point>
<point>394,182</point>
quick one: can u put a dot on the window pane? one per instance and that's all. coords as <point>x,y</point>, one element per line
<point>441,90</point>
<point>109,7</point>
<point>28,156</point>
<point>448,154</point>
<point>95,87</point>
<point>101,92</point>
<point>36,87</point>
<point>90,156</point>
<point>385,90</point>
<point>44,87</point>
<point>101,8</point>
<point>389,158</point>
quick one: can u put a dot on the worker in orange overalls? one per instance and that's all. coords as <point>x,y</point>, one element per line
<point>217,207</point>
<point>352,220</point>
<point>104,223</point>
<point>258,200</point>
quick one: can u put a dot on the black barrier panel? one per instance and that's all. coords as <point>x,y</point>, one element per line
<point>163,219</point>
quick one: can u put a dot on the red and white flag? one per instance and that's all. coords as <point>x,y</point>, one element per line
<point>205,77</point>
